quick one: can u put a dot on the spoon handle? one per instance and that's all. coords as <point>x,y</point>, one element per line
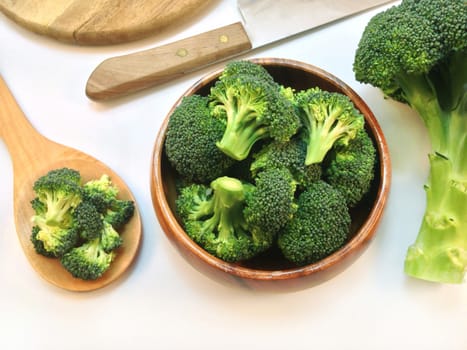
<point>24,143</point>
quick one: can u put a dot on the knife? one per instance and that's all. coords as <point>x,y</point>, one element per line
<point>263,22</point>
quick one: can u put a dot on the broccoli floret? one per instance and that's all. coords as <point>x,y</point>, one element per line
<point>227,217</point>
<point>38,244</point>
<point>351,168</point>
<point>88,221</point>
<point>190,143</point>
<point>290,155</point>
<point>38,206</point>
<point>252,109</point>
<point>289,93</point>
<point>416,53</point>
<point>213,218</point>
<point>110,238</point>
<point>60,192</point>
<point>320,226</point>
<point>328,118</point>
<point>119,212</point>
<point>88,261</point>
<point>270,204</point>
<point>56,240</point>
<point>100,192</point>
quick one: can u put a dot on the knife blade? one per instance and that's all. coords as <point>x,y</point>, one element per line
<point>262,22</point>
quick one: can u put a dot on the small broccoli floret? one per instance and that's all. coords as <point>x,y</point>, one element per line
<point>110,238</point>
<point>320,226</point>
<point>39,207</point>
<point>191,137</point>
<point>235,220</point>
<point>100,192</point>
<point>288,92</point>
<point>252,109</point>
<point>88,261</point>
<point>290,155</point>
<point>194,201</point>
<point>38,244</point>
<point>88,221</point>
<point>328,118</point>
<point>270,204</point>
<point>60,192</point>
<point>119,212</point>
<point>56,240</point>
<point>213,217</point>
<point>351,168</point>
<point>416,53</point>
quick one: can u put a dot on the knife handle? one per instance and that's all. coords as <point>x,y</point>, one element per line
<point>122,75</point>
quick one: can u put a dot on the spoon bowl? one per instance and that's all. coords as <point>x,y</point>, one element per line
<point>33,155</point>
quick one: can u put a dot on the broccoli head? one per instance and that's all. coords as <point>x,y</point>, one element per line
<point>38,244</point>
<point>88,261</point>
<point>119,212</point>
<point>320,226</point>
<point>88,221</point>
<point>416,53</point>
<point>290,155</point>
<point>190,144</point>
<point>59,192</point>
<point>55,240</point>
<point>351,168</point>
<point>110,238</point>
<point>328,118</point>
<point>100,192</point>
<point>253,109</point>
<point>270,204</point>
<point>213,218</point>
<point>39,207</point>
<point>235,220</point>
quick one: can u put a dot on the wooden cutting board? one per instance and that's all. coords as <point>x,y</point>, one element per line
<point>98,22</point>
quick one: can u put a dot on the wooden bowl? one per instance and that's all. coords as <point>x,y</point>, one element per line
<point>271,271</point>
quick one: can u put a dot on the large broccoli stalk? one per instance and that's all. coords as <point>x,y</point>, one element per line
<point>416,53</point>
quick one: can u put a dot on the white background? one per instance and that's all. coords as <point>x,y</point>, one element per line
<point>163,302</point>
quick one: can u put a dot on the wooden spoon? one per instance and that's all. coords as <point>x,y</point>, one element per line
<point>33,155</point>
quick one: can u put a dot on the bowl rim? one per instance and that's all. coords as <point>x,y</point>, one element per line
<point>363,235</point>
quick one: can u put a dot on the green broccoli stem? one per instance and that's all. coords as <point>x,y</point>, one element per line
<point>323,135</point>
<point>228,202</point>
<point>439,253</point>
<point>57,208</point>
<point>241,132</point>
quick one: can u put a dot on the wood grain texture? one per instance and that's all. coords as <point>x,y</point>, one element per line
<point>98,22</point>
<point>33,155</point>
<point>118,76</point>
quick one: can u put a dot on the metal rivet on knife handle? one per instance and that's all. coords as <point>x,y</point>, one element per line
<point>122,75</point>
<point>182,52</point>
<point>224,38</point>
